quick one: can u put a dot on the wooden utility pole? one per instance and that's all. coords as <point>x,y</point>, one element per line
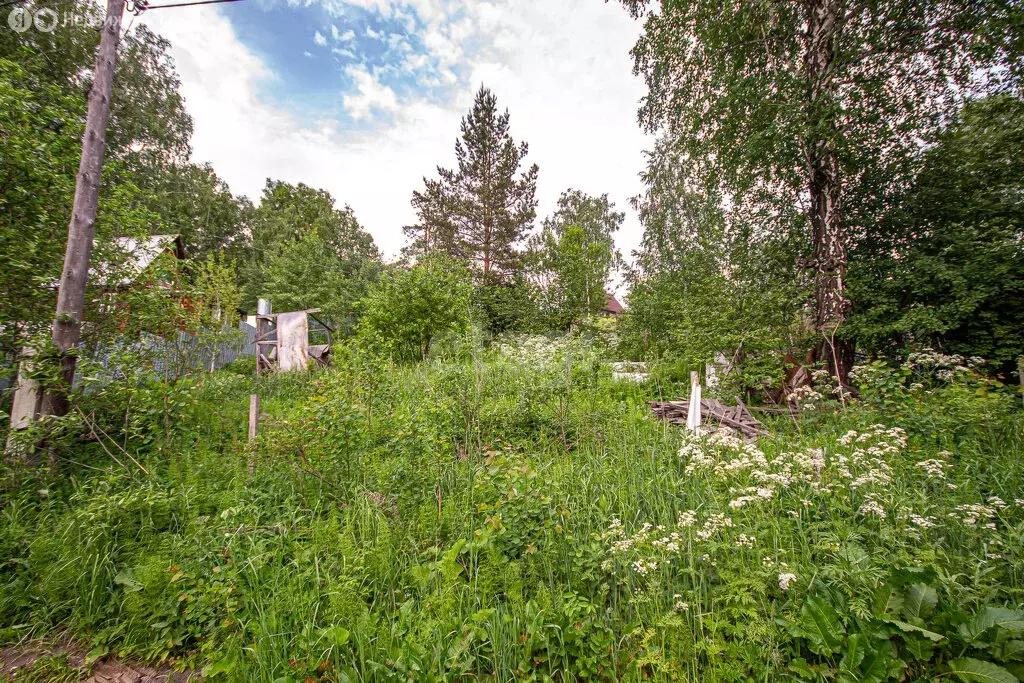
<point>67,323</point>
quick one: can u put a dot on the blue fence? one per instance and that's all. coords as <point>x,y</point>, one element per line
<point>171,358</point>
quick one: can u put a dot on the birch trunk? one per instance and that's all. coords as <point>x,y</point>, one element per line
<point>825,185</point>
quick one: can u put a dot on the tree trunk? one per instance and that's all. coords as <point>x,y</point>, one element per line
<point>825,185</point>
<point>67,324</point>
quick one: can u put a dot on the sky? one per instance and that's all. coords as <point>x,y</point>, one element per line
<point>364,97</point>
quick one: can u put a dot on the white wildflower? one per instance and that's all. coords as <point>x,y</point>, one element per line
<point>934,468</point>
<point>872,507</point>
<point>923,522</point>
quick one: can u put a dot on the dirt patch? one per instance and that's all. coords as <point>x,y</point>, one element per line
<point>24,658</point>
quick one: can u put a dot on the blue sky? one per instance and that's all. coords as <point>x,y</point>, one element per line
<point>311,49</point>
<point>364,97</point>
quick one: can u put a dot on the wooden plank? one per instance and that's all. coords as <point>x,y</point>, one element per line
<point>746,413</point>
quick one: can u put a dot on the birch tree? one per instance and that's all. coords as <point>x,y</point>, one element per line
<point>805,105</point>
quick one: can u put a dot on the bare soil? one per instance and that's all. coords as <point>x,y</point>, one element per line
<point>22,657</point>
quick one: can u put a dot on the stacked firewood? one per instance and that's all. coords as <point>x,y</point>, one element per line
<point>715,417</point>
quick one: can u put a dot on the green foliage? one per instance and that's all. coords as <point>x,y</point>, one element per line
<point>509,306</point>
<point>945,266</point>
<point>305,253</point>
<point>308,273</point>
<point>931,391</point>
<point>517,513</point>
<point>730,88</point>
<point>44,81</point>
<point>908,631</point>
<point>578,272</point>
<point>216,289</point>
<point>573,258</point>
<point>711,279</point>
<point>802,123</point>
<point>148,122</point>
<point>409,308</point>
<point>690,312</point>
<point>35,194</point>
<point>192,201</point>
<point>40,131</point>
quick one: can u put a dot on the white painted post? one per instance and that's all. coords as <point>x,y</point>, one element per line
<point>693,417</point>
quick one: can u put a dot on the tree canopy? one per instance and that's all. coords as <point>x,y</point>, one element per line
<point>304,252</point>
<point>945,266</point>
<point>574,255</point>
<point>791,113</point>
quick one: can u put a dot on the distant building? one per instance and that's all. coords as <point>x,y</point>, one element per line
<point>612,308</point>
<point>140,255</point>
<point>146,264</point>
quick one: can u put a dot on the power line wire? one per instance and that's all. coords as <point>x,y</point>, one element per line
<point>142,7</point>
<point>145,8</point>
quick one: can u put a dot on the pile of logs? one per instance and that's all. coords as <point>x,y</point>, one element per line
<point>730,419</point>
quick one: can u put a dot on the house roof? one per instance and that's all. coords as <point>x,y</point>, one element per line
<point>611,304</point>
<point>140,254</point>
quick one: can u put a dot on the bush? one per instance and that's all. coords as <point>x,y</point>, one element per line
<point>410,308</point>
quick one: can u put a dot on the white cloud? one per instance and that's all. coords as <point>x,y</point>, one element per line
<point>415,62</point>
<point>561,68</point>
<point>372,94</point>
<point>319,39</point>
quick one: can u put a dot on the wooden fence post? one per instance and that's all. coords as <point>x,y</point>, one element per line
<point>693,417</point>
<point>254,428</point>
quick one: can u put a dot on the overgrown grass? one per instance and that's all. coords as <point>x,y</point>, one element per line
<point>525,518</point>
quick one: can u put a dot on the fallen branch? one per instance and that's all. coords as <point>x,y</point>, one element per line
<point>92,428</point>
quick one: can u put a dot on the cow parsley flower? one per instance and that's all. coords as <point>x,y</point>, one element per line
<point>872,507</point>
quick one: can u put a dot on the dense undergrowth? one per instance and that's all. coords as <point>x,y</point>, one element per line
<point>520,516</point>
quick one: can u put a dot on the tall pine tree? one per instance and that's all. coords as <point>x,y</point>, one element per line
<point>481,211</point>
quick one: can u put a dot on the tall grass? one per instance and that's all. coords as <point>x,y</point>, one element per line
<point>455,519</point>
